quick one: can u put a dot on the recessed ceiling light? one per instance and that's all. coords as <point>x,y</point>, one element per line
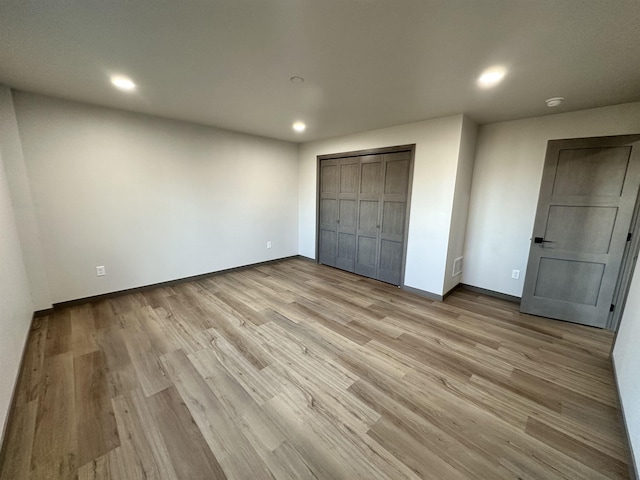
<point>299,126</point>
<point>123,83</point>
<point>554,102</point>
<point>491,77</point>
<point>296,79</point>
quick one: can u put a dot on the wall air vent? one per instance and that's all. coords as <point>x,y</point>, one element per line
<point>457,267</point>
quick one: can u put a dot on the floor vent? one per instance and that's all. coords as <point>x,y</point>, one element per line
<point>457,267</point>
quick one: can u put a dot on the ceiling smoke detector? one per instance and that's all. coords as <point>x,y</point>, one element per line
<point>296,79</point>
<point>554,102</point>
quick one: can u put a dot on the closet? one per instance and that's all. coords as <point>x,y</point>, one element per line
<point>363,211</point>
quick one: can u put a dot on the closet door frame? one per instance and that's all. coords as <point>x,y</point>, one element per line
<point>358,153</point>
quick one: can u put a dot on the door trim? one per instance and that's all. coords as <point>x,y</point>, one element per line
<point>627,268</point>
<point>411,148</point>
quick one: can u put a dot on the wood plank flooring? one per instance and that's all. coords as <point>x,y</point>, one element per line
<point>294,370</point>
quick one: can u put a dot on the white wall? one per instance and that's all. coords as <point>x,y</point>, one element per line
<point>626,355</point>
<point>150,199</point>
<point>16,307</point>
<point>461,197</point>
<point>506,183</point>
<point>436,159</point>
<point>20,190</point>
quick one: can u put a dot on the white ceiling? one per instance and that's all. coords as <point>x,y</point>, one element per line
<point>367,63</point>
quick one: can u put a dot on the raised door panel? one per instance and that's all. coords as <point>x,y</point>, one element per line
<point>393,214</point>
<point>346,254</point>
<point>327,247</point>
<point>329,176</point>
<point>390,267</point>
<point>396,178</point>
<point>581,228</point>
<point>371,175</point>
<point>366,255</point>
<point>583,289</point>
<point>349,176</point>
<point>591,171</point>
<point>328,212</point>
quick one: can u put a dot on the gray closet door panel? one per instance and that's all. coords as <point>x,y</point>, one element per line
<point>390,267</point>
<point>396,174</point>
<point>393,215</point>
<point>368,216</point>
<point>366,256</point>
<point>349,172</point>
<point>349,177</point>
<point>346,254</point>
<point>371,175</point>
<point>329,177</point>
<point>327,247</point>
<point>328,212</point>
<point>370,188</point>
<point>348,209</point>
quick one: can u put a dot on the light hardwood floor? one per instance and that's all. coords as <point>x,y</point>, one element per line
<point>294,370</point>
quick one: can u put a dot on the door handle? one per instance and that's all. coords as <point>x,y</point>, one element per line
<point>541,240</point>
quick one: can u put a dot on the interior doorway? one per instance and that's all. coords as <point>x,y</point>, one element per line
<point>583,231</point>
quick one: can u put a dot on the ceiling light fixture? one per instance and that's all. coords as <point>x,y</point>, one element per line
<point>299,126</point>
<point>554,102</point>
<point>491,77</point>
<point>296,79</point>
<point>123,83</point>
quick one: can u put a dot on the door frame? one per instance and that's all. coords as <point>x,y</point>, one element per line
<point>627,267</point>
<point>411,148</point>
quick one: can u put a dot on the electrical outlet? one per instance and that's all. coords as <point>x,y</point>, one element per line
<point>268,244</point>
<point>101,271</point>
<point>515,274</point>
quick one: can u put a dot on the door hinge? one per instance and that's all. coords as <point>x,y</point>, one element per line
<point>629,235</point>
<point>612,307</point>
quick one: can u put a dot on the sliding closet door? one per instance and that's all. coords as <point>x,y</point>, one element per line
<point>393,214</point>
<point>328,215</point>
<point>347,209</point>
<point>368,231</point>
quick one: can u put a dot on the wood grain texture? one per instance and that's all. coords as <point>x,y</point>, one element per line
<point>300,371</point>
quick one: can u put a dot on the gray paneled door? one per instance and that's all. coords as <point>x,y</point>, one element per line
<point>586,203</point>
<point>328,212</point>
<point>347,213</point>
<point>338,208</point>
<point>363,211</point>
<point>368,230</point>
<point>393,214</point>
